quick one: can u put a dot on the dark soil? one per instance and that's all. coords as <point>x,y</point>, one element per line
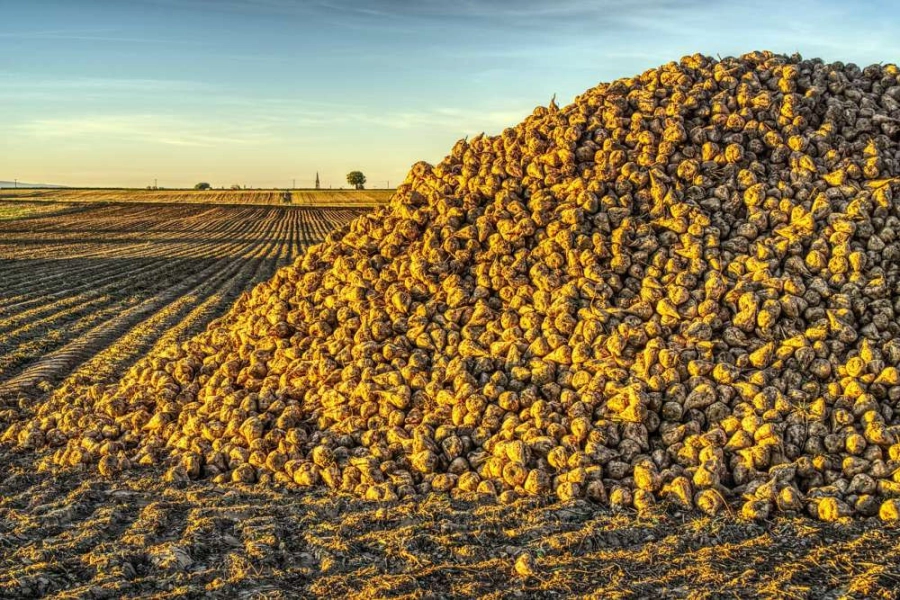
<point>77,535</point>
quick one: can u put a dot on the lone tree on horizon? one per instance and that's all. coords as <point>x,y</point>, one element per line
<point>356,179</point>
<point>202,186</point>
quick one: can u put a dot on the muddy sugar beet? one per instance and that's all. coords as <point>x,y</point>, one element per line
<point>682,288</point>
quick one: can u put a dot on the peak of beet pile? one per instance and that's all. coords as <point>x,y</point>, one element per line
<point>682,286</point>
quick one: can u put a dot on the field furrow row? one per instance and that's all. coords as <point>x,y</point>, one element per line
<point>40,336</point>
<point>180,318</point>
<point>58,362</point>
<point>101,286</point>
<point>57,284</point>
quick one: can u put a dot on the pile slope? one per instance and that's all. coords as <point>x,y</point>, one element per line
<point>682,286</point>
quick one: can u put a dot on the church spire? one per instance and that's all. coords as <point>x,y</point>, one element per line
<point>317,180</point>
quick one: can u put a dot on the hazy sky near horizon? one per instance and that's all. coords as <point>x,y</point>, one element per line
<point>261,92</point>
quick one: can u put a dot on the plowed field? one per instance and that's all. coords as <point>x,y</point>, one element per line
<point>87,289</point>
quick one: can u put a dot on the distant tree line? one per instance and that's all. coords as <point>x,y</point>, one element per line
<point>355,178</point>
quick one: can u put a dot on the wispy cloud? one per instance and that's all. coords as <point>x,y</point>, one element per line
<point>261,126</point>
<point>64,91</point>
<point>391,14</point>
<point>11,81</point>
<point>495,9</point>
<point>483,9</point>
<point>144,128</point>
<point>52,32</point>
<point>447,119</point>
<point>104,35</point>
<point>287,113</point>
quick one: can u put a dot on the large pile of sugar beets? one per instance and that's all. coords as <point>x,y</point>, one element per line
<point>683,287</point>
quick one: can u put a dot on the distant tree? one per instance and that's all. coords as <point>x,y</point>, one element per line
<point>236,186</point>
<point>202,186</point>
<point>356,179</point>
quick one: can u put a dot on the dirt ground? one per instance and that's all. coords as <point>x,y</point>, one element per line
<point>77,535</point>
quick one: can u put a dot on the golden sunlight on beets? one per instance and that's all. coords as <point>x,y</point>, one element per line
<point>659,321</point>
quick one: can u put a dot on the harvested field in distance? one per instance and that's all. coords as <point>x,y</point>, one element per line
<point>96,286</point>
<point>298,197</point>
<point>21,210</point>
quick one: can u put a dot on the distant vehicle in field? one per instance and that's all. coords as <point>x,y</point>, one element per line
<point>286,197</point>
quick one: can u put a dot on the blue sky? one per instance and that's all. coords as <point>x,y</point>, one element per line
<point>260,92</point>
